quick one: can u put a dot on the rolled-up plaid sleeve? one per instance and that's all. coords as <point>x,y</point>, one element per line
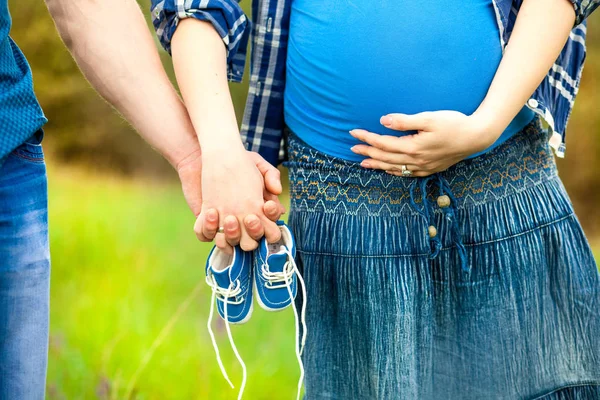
<point>583,9</point>
<point>226,16</point>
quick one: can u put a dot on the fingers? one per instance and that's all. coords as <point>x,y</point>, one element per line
<point>232,230</point>
<point>273,181</point>
<point>198,229</point>
<point>403,144</point>
<point>376,164</point>
<point>405,122</point>
<point>382,155</point>
<point>206,225</point>
<point>211,224</point>
<point>254,227</point>
<point>247,237</point>
<point>271,174</point>
<point>222,244</point>
<point>271,199</point>
<point>272,231</point>
<point>384,142</point>
<point>235,234</point>
<point>395,169</point>
<point>247,243</point>
<point>273,210</point>
<point>416,174</point>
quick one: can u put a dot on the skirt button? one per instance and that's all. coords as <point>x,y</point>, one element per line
<point>443,201</point>
<point>432,231</point>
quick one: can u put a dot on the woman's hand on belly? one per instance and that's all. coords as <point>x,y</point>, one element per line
<point>444,138</point>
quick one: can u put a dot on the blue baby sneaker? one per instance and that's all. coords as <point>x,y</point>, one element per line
<point>275,279</point>
<point>230,278</point>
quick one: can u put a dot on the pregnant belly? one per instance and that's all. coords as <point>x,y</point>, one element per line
<point>350,63</point>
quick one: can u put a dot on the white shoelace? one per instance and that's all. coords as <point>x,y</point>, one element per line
<point>224,295</point>
<point>274,280</point>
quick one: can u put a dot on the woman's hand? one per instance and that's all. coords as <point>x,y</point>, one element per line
<point>443,139</point>
<point>233,184</point>
<point>207,224</point>
<point>190,174</point>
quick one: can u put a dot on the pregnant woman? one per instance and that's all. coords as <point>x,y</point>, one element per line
<point>441,253</point>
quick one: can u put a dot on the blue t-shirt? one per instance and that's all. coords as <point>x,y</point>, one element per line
<point>20,113</point>
<point>351,62</point>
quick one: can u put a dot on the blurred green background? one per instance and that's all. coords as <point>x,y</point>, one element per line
<point>129,306</point>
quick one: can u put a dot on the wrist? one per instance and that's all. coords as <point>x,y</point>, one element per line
<point>218,137</point>
<point>180,152</point>
<point>223,148</point>
<point>487,128</point>
<point>191,159</point>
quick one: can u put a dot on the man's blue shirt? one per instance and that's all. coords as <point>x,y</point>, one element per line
<point>20,113</point>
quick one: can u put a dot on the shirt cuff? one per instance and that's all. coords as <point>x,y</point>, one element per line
<point>226,17</point>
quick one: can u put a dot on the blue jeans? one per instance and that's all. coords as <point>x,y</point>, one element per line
<point>494,294</point>
<point>24,273</point>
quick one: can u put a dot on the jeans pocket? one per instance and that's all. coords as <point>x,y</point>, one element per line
<point>31,150</point>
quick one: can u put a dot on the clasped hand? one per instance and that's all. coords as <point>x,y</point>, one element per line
<point>443,139</point>
<point>244,203</point>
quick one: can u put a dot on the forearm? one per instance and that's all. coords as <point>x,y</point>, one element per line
<point>114,49</point>
<point>541,31</point>
<point>199,58</point>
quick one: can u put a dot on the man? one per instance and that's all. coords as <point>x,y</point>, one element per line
<point>115,51</point>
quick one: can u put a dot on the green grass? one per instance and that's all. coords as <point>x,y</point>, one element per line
<point>124,260</point>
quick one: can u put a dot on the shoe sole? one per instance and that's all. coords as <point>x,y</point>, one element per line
<point>246,318</point>
<point>263,305</point>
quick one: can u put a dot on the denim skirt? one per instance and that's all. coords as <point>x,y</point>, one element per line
<point>474,283</point>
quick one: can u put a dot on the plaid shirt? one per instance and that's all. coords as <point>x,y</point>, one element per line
<point>262,125</point>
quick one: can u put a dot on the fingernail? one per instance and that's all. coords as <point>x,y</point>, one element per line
<point>353,148</point>
<point>352,132</point>
<point>365,164</point>
<point>386,121</point>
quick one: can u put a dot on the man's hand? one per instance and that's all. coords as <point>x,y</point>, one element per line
<point>444,138</point>
<point>233,184</point>
<point>207,224</point>
<point>190,175</point>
